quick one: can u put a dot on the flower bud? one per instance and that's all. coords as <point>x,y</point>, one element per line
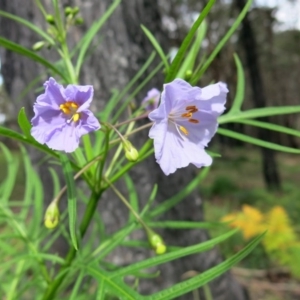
<point>38,45</point>
<point>75,10</point>
<point>52,216</point>
<point>188,74</point>
<point>68,11</point>
<point>157,243</point>
<point>50,19</point>
<point>130,152</point>
<point>78,21</point>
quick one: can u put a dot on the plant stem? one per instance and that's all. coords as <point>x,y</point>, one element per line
<point>63,272</point>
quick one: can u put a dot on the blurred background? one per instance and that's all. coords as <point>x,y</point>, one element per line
<point>257,187</point>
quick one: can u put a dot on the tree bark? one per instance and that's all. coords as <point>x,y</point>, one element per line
<point>122,51</point>
<point>269,164</point>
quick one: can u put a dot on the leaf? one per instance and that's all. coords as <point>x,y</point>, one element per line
<point>71,192</point>
<point>86,40</point>
<point>24,123</point>
<point>17,136</point>
<point>271,126</point>
<point>11,174</point>
<point>189,61</point>
<point>133,197</point>
<point>30,54</point>
<point>115,286</point>
<point>255,141</point>
<point>169,256</point>
<point>186,42</point>
<point>157,47</point>
<point>28,24</point>
<point>223,41</point>
<point>184,224</point>
<point>240,89</point>
<point>207,276</point>
<point>259,113</point>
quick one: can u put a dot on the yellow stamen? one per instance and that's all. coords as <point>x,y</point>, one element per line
<point>76,117</point>
<point>183,130</point>
<point>193,121</point>
<point>70,108</point>
<point>65,109</point>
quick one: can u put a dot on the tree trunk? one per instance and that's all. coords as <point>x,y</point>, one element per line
<point>122,51</point>
<point>270,171</point>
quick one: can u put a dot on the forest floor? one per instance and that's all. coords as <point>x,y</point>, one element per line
<point>236,179</point>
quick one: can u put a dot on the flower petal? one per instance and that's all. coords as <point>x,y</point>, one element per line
<point>158,132</point>
<point>81,94</point>
<point>214,97</point>
<point>178,153</point>
<point>64,139</point>
<point>45,122</point>
<point>88,123</point>
<point>53,96</point>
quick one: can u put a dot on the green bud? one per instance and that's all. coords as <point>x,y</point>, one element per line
<point>78,21</point>
<point>38,45</point>
<point>52,216</point>
<point>188,74</point>
<point>75,10</point>
<point>68,11</point>
<point>157,243</point>
<point>160,248</point>
<point>50,19</point>
<point>130,152</point>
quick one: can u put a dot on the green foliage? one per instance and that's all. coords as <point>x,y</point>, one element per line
<point>25,245</point>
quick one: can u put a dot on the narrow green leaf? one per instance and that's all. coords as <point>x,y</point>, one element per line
<point>38,205</point>
<point>27,200</point>
<point>259,113</point>
<point>255,141</point>
<point>113,242</point>
<point>89,35</point>
<point>187,41</point>
<point>28,24</point>
<point>189,61</point>
<point>11,174</point>
<point>240,88</point>
<point>201,279</point>
<point>156,46</point>
<point>150,200</point>
<point>17,136</point>
<point>132,195</point>
<point>24,123</point>
<point>223,41</point>
<point>184,224</point>
<point>271,126</point>
<point>101,290</point>
<point>76,287</point>
<point>169,256</point>
<point>30,54</point>
<point>115,286</point>
<point>169,203</point>
<point>55,180</point>
<point>71,192</point>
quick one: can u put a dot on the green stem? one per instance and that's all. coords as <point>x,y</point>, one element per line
<point>68,63</point>
<point>87,217</point>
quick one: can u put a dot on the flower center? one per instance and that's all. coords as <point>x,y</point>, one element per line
<point>70,108</point>
<point>187,115</point>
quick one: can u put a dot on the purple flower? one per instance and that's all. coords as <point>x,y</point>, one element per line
<point>62,115</point>
<point>151,100</point>
<point>184,123</point>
